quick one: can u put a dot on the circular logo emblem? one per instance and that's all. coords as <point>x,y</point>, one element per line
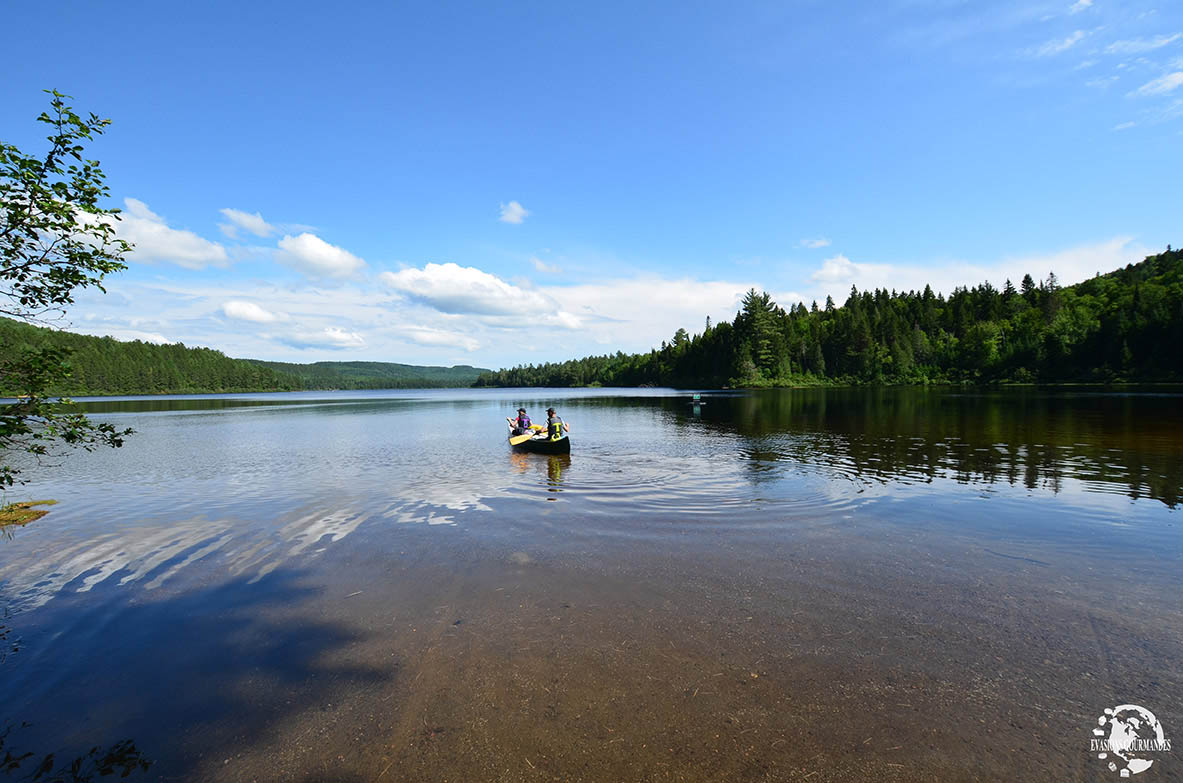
<point>1127,738</point>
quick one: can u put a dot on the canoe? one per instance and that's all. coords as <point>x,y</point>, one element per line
<point>543,444</point>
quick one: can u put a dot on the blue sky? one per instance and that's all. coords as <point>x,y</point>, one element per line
<point>494,184</point>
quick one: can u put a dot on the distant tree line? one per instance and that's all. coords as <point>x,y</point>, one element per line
<point>1126,325</point>
<point>105,366</point>
<point>375,375</point>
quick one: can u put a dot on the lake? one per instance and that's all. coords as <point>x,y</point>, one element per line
<point>821,585</point>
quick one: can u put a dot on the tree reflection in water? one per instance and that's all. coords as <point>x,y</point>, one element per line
<point>1109,441</point>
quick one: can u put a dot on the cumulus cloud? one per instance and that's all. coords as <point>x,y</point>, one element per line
<point>814,244</point>
<point>155,241</point>
<point>1058,45</point>
<point>513,212</point>
<point>1162,85</point>
<point>312,256</point>
<point>248,311</point>
<point>1079,5</point>
<point>841,269</point>
<point>451,288</point>
<point>128,335</point>
<point>1139,45</point>
<point>447,314</point>
<point>836,275</point>
<point>331,337</point>
<point>254,224</point>
<point>635,314</point>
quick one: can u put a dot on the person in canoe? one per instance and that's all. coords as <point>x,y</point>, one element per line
<point>555,426</point>
<point>521,424</point>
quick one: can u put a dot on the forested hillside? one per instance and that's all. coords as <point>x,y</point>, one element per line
<point>374,375</point>
<point>103,365</point>
<point>1126,325</point>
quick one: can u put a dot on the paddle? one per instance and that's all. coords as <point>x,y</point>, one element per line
<point>517,440</point>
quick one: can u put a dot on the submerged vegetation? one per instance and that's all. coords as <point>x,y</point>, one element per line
<point>24,512</point>
<point>1122,326</point>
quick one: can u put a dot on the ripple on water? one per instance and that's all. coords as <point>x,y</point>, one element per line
<point>637,494</point>
<point>187,496</point>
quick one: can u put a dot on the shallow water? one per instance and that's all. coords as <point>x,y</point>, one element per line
<point>839,584</point>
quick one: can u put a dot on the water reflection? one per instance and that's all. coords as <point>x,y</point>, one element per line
<point>241,568</point>
<point>555,465</point>
<point>254,484</point>
<point>531,465</point>
<point>1123,443</point>
<point>154,552</point>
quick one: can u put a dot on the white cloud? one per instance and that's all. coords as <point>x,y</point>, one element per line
<point>154,241</point>
<point>836,275</point>
<point>1139,45</point>
<point>311,255</point>
<point>255,223</point>
<point>1102,83</point>
<point>544,267</point>
<point>814,244</point>
<point>430,336</point>
<point>1124,126</point>
<point>636,314</point>
<point>248,311</point>
<point>451,288</point>
<point>342,338</point>
<point>513,212</point>
<point>1162,85</point>
<point>468,316</point>
<point>309,323</point>
<point>330,337</point>
<point>1058,45</point>
<point>841,269</point>
<point>1079,6</point>
<point>127,335</point>
<point>1173,110</point>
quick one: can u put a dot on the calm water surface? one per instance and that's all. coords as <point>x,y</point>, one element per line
<point>818,585</point>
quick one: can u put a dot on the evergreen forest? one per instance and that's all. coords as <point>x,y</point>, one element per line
<point>1124,326</point>
<point>106,366</point>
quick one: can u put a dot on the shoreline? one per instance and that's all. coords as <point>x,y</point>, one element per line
<point>942,385</point>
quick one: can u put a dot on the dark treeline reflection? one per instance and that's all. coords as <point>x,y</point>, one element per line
<point>1123,442</point>
<point>211,403</point>
<point>166,404</point>
<point>313,405</point>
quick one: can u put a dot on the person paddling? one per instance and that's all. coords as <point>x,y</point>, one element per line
<point>521,423</point>
<point>555,427</point>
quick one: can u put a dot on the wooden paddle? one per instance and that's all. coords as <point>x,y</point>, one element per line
<point>517,440</point>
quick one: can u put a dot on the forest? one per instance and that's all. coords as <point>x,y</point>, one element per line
<point>106,366</point>
<point>1123,326</point>
<point>374,375</point>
